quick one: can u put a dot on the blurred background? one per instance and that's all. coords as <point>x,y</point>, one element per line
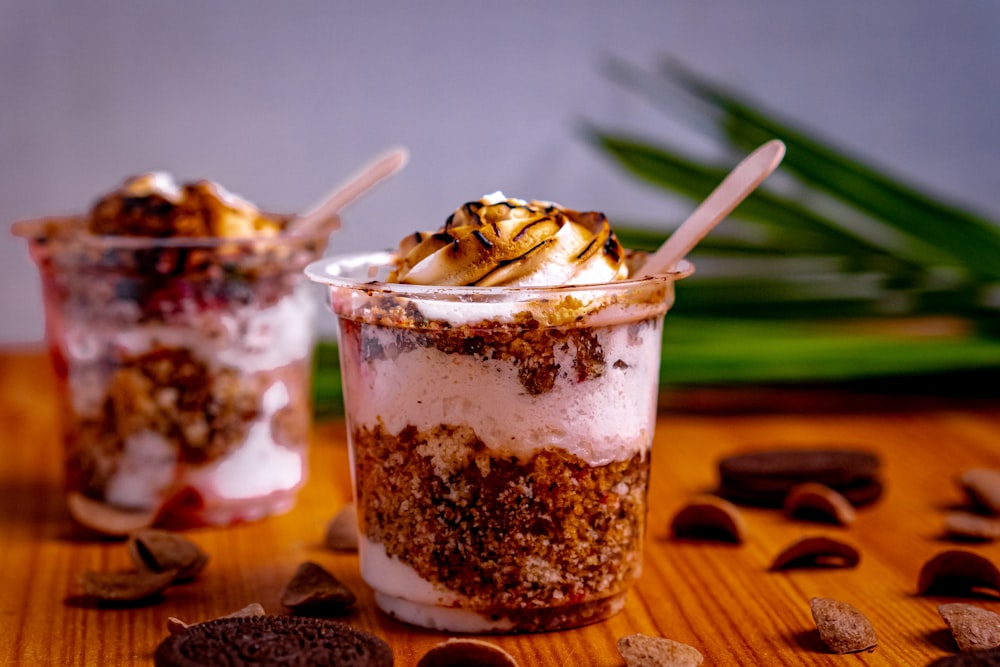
<point>280,101</point>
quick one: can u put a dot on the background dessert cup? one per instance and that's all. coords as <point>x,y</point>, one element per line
<point>500,442</point>
<point>184,370</point>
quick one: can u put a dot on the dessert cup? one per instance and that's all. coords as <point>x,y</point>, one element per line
<point>183,368</point>
<point>500,442</point>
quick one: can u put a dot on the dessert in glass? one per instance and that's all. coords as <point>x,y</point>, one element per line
<point>500,388</point>
<point>180,327</point>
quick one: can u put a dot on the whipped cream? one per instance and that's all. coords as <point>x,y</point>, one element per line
<point>500,241</point>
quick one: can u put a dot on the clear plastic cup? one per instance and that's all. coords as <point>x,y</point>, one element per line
<point>500,443</point>
<point>184,368</point>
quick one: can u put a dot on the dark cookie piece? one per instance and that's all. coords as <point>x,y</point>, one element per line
<point>765,477</point>
<point>257,641</point>
<point>987,658</point>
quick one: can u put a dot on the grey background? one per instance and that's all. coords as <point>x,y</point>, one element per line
<point>278,101</point>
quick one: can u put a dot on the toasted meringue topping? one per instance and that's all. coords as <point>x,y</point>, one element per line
<point>511,242</point>
<point>154,204</point>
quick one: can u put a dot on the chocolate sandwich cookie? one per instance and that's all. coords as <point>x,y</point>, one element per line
<point>764,478</point>
<point>258,641</point>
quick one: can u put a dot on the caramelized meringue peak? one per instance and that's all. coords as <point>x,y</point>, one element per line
<point>511,242</point>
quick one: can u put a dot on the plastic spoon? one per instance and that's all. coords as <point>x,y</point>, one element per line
<point>324,214</point>
<point>734,188</point>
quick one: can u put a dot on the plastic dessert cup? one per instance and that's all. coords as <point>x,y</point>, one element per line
<point>500,443</point>
<point>184,370</point>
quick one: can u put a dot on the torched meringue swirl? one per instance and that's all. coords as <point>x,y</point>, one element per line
<point>497,241</point>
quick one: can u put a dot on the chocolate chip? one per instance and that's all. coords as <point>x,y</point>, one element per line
<point>818,502</point>
<point>971,527</point>
<point>464,652</point>
<point>342,531</point>
<point>985,658</point>
<point>958,572</point>
<point>132,586</point>
<point>842,627</point>
<point>972,627</point>
<point>313,589</point>
<point>640,650</point>
<point>107,519</point>
<point>816,552</point>
<point>160,550</point>
<point>266,640</point>
<point>709,518</point>
<point>982,486</point>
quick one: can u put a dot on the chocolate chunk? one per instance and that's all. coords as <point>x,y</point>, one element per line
<point>292,641</point>
<point>342,531</point>
<point>818,502</point>
<point>464,652</point>
<point>985,658</point>
<point>133,586</point>
<point>107,519</point>
<point>644,651</point>
<point>312,589</point>
<point>958,572</point>
<point>160,550</point>
<point>972,627</point>
<point>971,527</point>
<point>842,627</point>
<point>709,518</point>
<point>816,552</point>
<point>982,486</point>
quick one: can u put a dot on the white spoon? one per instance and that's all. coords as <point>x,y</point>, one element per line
<point>734,188</point>
<point>324,214</point>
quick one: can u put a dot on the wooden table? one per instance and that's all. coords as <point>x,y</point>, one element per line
<point>720,599</point>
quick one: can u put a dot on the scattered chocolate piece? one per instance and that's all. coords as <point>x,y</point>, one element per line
<point>176,625</point>
<point>264,640</point>
<point>842,627</point>
<point>765,477</point>
<point>816,551</point>
<point>958,572</point>
<point>985,658</point>
<point>640,650</point>
<point>160,550</point>
<point>818,502</point>
<point>972,627</point>
<point>125,586</point>
<point>106,519</point>
<point>709,518</point>
<point>971,527</point>
<point>314,590</point>
<point>342,531</point>
<point>982,486</point>
<point>464,652</point>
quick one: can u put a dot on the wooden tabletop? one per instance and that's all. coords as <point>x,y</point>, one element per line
<point>720,599</point>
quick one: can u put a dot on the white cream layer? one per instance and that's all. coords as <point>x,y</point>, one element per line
<point>600,420</point>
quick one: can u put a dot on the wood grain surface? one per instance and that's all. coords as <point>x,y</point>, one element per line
<point>720,599</point>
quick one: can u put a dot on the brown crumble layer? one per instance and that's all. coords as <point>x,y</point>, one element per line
<point>551,530</point>
<point>205,413</point>
<point>532,349</point>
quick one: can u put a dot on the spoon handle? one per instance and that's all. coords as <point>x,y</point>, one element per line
<point>733,189</point>
<point>378,169</point>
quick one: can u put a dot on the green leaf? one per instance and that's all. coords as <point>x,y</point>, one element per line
<point>973,241</point>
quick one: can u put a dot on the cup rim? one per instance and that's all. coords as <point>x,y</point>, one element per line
<point>320,271</point>
<point>60,229</point>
